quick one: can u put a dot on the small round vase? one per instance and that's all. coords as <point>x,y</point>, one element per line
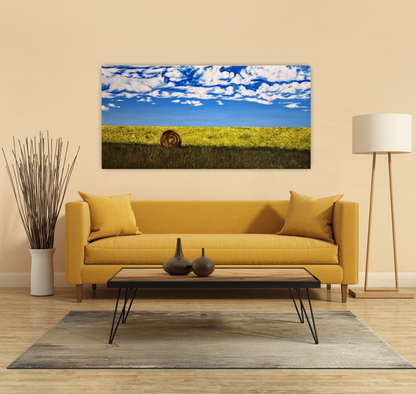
<point>41,275</point>
<point>203,266</point>
<point>178,264</point>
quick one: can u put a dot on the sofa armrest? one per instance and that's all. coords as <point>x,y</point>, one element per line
<point>345,229</point>
<point>77,229</point>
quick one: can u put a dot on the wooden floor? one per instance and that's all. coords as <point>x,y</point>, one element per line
<point>24,319</point>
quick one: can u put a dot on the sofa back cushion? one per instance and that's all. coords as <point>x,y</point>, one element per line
<point>210,217</point>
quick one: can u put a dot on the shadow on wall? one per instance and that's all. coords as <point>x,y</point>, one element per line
<point>14,245</point>
<point>59,256</point>
<point>14,254</point>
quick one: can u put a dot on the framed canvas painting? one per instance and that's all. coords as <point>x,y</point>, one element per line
<point>206,117</point>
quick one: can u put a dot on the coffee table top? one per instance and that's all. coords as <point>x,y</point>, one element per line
<point>220,278</point>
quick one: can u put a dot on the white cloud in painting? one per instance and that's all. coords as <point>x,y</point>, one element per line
<point>191,84</point>
<point>202,93</point>
<point>220,102</point>
<point>113,105</point>
<point>295,87</point>
<point>292,105</point>
<point>271,74</point>
<point>239,97</point>
<point>296,105</point>
<point>174,75</point>
<point>128,83</point>
<point>104,108</point>
<point>213,75</point>
<point>152,71</point>
<point>246,92</point>
<point>106,94</point>
<point>109,71</point>
<point>298,96</point>
<point>126,95</point>
<point>159,94</point>
<point>255,100</point>
<point>240,79</point>
<point>194,103</point>
<point>236,97</point>
<point>119,100</point>
<point>198,93</point>
<point>279,91</point>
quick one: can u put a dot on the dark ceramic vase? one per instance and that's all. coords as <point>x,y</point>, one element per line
<point>203,266</point>
<point>178,264</point>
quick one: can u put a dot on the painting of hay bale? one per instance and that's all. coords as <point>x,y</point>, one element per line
<point>206,117</point>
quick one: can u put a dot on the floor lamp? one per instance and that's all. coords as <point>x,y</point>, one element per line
<point>382,133</point>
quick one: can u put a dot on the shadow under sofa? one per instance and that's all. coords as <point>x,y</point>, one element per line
<point>233,233</point>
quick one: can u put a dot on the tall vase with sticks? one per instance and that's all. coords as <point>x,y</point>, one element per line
<point>39,177</point>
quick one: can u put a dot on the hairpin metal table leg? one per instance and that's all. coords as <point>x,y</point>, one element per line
<point>131,302</point>
<point>123,314</point>
<point>301,318</point>
<point>303,311</point>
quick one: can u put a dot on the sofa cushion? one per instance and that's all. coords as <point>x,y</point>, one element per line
<point>221,248</point>
<point>310,217</point>
<point>210,217</point>
<point>110,216</point>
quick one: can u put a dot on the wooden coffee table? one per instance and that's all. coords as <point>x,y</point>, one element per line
<point>235,278</point>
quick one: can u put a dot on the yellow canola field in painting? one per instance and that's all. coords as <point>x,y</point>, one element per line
<point>298,138</point>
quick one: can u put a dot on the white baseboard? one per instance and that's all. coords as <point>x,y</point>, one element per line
<point>22,279</point>
<point>375,279</point>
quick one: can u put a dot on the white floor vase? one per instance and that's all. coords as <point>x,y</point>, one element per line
<point>41,277</point>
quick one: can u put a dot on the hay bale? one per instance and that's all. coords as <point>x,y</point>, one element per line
<point>171,139</point>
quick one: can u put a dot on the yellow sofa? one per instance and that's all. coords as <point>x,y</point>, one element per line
<point>233,233</point>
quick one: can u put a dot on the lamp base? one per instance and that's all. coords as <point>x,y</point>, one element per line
<point>382,293</point>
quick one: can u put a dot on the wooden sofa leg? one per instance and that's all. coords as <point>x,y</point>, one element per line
<point>328,287</point>
<point>344,292</point>
<point>94,287</point>
<point>79,293</point>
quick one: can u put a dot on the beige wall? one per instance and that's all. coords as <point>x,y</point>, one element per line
<point>363,60</point>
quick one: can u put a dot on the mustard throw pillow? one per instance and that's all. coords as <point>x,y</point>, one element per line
<point>110,216</point>
<point>310,217</point>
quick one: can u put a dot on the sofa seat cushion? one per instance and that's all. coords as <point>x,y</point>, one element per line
<point>221,248</point>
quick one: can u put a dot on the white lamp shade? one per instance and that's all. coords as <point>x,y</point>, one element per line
<point>382,133</point>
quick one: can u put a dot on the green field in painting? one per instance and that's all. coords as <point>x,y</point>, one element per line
<point>207,147</point>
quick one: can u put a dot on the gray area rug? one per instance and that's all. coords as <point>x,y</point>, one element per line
<point>164,340</point>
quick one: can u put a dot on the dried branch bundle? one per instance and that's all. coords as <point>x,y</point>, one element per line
<point>39,179</point>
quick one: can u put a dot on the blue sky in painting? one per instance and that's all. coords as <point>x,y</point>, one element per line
<point>209,96</point>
